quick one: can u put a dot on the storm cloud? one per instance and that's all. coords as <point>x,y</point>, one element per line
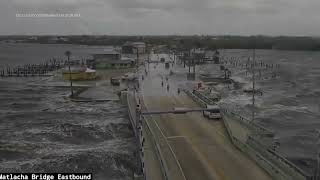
<point>151,17</point>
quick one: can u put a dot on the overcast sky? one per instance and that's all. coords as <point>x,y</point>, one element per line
<point>152,17</point>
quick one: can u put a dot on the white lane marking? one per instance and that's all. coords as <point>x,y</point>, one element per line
<point>174,155</point>
<point>176,100</point>
<point>170,148</point>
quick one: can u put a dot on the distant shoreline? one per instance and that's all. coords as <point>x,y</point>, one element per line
<point>181,42</point>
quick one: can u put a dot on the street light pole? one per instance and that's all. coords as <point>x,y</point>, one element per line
<point>137,57</point>
<point>316,175</point>
<point>253,83</point>
<point>68,54</point>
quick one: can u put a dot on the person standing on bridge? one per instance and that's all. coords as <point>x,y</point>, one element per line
<point>168,87</point>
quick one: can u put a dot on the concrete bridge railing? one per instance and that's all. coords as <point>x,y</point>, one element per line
<point>164,151</point>
<point>269,163</point>
<point>251,125</point>
<point>279,160</point>
<point>262,161</point>
<point>204,98</point>
<point>140,124</point>
<point>272,156</point>
<point>195,98</point>
<point>163,166</point>
<point>132,111</point>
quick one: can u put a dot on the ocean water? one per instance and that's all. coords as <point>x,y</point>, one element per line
<point>42,131</point>
<point>17,54</point>
<point>290,104</point>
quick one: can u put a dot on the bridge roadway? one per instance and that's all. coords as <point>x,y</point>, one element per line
<point>193,147</point>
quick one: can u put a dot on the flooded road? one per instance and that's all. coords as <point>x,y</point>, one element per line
<point>290,102</point>
<point>192,146</point>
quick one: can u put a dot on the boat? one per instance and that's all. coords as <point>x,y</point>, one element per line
<point>79,73</point>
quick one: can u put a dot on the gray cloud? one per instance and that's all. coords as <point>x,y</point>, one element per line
<point>272,17</point>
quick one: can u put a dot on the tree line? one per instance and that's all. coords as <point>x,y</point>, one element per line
<point>188,42</point>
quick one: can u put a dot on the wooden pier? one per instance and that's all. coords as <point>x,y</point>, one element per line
<point>31,70</point>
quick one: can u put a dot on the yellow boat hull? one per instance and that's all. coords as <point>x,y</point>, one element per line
<point>79,76</point>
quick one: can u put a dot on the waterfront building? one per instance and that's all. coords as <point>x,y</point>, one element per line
<point>123,63</point>
<point>133,47</point>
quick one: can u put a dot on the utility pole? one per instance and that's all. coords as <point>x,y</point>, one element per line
<point>68,54</point>
<point>316,173</point>
<point>194,67</point>
<point>137,51</point>
<point>253,83</point>
<point>317,168</point>
<point>149,52</point>
<point>189,64</point>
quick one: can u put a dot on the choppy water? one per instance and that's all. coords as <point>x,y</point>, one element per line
<point>290,104</point>
<point>41,131</point>
<point>17,54</point>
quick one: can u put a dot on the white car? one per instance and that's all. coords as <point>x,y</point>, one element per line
<point>212,114</point>
<point>129,77</point>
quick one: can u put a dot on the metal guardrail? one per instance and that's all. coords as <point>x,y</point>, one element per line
<point>179,111</point>
<point>203,98</point>
<point>284,164</point>
<point>195,98</point>
<point>159,154</point>
<point>277,158</point>
<point>248,122</point>
<point>269,167</point>
<point>261,160</point>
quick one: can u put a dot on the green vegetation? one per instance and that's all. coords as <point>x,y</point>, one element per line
<point>187,42</point>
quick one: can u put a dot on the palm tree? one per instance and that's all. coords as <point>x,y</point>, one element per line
<point>68,54</point>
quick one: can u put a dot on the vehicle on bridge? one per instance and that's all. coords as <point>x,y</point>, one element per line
<point>115,81</point>
<point>212,114</point>
<point>128,77</point>
<point>167,65</point>
<point>162,60</point>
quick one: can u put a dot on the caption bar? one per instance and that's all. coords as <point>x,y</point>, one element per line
<point>45,176</point>
<point>47,15</point>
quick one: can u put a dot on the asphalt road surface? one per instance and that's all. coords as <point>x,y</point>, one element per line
<point>194,147</point>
